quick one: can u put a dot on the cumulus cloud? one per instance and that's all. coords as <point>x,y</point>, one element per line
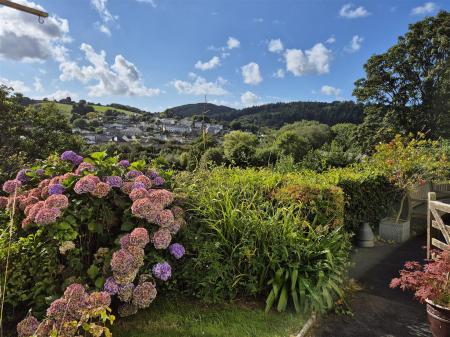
<point>18,86</point>
<point>200,86</point>
<point>249,99</point>
<point>37,85</point>
<point>350,11</point>
<point>251,74</point>
<point>312,61</point>
<point>426,8</point>
<point>120,78</point>
<point>101,6</point>
<point>331,39</point>
<point>233,43</point>
<point>22,38</point>
<point>279,73</point>
<point>258,20</point>
<point>275,46</point>
<point>60,94</point>
<point>211,64</point>
<point>330,91</point>
<point>150,2</point>
<point>355,44</point>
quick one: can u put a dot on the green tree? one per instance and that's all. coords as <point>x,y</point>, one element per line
<point>240,147</point>
<point>407,88</point>
<point>292,144</point>
<point>31,133</point>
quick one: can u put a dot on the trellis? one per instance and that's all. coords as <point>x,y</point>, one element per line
<point>435,224</point>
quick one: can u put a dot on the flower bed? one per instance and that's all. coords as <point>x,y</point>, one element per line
<point>102,225</point>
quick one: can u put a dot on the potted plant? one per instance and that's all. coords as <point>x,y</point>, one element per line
<point>431,284</point>
<point>410,164</point>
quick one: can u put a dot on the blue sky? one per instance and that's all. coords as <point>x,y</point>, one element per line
<point>154,54</point>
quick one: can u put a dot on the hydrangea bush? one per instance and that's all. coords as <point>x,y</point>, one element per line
<point>107,224</point>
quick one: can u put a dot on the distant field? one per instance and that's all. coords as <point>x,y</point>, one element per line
<point>66,109</point>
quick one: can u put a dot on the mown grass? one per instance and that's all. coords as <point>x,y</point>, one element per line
<point>101,108</point>
<point>170,317</point>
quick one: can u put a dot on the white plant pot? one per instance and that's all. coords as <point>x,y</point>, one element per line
<point>391,230</point>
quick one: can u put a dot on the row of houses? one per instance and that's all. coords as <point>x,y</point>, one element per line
<point>126,129</point>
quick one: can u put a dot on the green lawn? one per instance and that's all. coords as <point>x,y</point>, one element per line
<point>185,318</point>
<point>101,108</point>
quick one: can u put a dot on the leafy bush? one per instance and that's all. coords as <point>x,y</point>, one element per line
<point>247,225</point>
<point>88,221</point>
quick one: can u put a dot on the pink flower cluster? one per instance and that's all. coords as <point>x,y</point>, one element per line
<point>72,306</point>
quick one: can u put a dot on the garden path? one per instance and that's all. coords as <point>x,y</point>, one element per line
<point>378,310</point>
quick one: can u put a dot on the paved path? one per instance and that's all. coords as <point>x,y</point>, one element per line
<point>378,310</point>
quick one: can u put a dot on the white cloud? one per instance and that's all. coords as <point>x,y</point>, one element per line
<point>331,39</point>
<point>249,99</point>
<point>251,74</point>
<point>426,8</point>
<point>275,46</point>
<point>350,11</point>
<point>315,60</point>
<point>150,2</point>
<point>355,44</point>
<point>279,73</point>
<point>22,38</point>
<point>233,43</point>
<point>121,78</point>
<point>60,94</point>
<point>37,85</point>
<point>330,91</point>
<point>258,20</point>
<point>101,6</point>
<point>211,64</point>
<point>18,86</point>
<point>200,86</point>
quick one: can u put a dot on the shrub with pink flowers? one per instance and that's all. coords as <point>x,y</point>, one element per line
<point>97,228</point>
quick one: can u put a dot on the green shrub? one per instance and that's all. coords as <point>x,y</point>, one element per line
<point>246,225</point>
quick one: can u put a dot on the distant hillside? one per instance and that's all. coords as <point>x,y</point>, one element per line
<point>277,114</point>
<point>189,110</point>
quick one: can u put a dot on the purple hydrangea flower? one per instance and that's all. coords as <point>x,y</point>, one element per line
<point>138,185</point>
<point>124,163</point>
<point>158,181</point>
<point>40,172</point>
<point>152,174</point>
<point>177,250</point>
<point>22,175</point>
<point>162,270</point>
<point>110,286</point>
<point>72,156</point>
<point>133,174</point>
<point>114,181</point>
<point>55,189</point>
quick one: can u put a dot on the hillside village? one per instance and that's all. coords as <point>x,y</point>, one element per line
<point>125,128</point>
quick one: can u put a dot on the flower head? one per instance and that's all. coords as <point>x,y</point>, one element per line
<point>125,292</point>
<point>122,262</point>
<point>133,174</point>
<point>177,250</point>
<point>32,210</point>
<point>47,216</point>
<point>144,180</point>
<point>3,202</point>
<point>101,190</point>
<point>35,192</point>
<point>98,299</point>
<point>152,174</point>
<point>86,184</point>
<point>22,175</point>
<point>164,218</point>
<point>84,166</point>
<point>27,327</point>
<point>57,201</point>
<point>144,294</point>
<point>162,270</point>
<point>139,237</point>
<point>161,197</point>
<point>137,185</point>
<point>55,189</point>
<point>40,171</point>
<point>72,157</point>
<point>138,193</point>
<point>124,163</point>
<point>114,181</point>
<point>161,239</point>
<point>110,286</point>
<point>30,200</point>
<point>10,186</point>
<point>127,309</point>
<point>142,208</point>
<point>127,187</point>
<point>158,181</point>
<point>66,246</point>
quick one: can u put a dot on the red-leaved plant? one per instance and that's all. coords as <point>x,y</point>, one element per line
<point>430,281</point>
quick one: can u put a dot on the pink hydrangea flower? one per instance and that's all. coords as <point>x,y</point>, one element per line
<point>127,187</point>
<point>144,294</point>
<point>122,262</point>
<point>84,167</point>
<point>44,183</point>
<point>101,190</point>
<point>3,202</point>
<point>34,209</point>
<point>161,197</point>
<point>27,327</point>
<point>138,193</point>
<point>143,207</point>
<point>10,186</point>
<point>26,223</point>
<point>86,184</point>
<point>98,299</point>
<point>161,239</point>
<point>139,237</point>
<point>165,218</point>
<point>47,216</point>
<point>144,180</point>
<point>35,192</point>
<point>57,201</point>
<point>44,192</point>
